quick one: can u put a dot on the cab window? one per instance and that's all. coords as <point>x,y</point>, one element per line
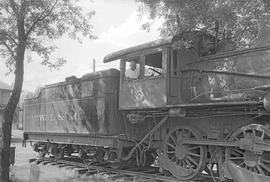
<point>132,69</point>
<point>153,65</point>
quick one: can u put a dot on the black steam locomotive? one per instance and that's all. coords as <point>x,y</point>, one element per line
<point>167,103</point>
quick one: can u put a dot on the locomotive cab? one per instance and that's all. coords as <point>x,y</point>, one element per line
<point>148,88</point>
<point>150,74</point>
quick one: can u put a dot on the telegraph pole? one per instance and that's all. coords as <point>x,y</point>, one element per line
<point>94,65</point>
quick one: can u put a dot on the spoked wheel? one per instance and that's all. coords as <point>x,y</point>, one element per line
<point>82,154</point>
<point>99,155</point>
<point>254,161</point>
<point>184,161</point>
<point>41,149</point>
<point>58,151</point>
<point>42,153</point>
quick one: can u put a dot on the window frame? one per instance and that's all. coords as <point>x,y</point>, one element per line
<point>162,64</point>
<point>172,68</point>
<point>123,66</point>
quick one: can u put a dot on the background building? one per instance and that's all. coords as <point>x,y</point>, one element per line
<point>5,91</point>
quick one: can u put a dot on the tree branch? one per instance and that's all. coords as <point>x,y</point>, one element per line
<point>240,34</point>
<point>41,17</point>
<point>13,40</point>
<point>8,48</point>
<point>14,7</point>
<point>3,38</point>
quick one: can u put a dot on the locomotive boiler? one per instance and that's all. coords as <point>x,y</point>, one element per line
<point>189,113</point>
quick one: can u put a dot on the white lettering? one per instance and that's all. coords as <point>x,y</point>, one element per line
<point>60,117</point>
<point>74,117</point>
<point>42,117</point>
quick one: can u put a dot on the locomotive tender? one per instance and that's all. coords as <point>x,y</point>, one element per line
<point>190,113</point>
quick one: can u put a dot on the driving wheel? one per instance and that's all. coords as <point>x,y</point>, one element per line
<point>184,161</point>
<point>58,151</point>
<point>252,160</point>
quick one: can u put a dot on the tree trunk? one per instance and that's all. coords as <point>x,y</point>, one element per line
<point>13,100</point>
<point>8,115</point>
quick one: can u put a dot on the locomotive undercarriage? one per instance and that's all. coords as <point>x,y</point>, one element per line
<point>176,143</point>
<point>186,155</point>
<point>100,155</point>
<point>187,151</point>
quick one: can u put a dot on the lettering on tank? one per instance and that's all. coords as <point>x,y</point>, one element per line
<point>58,117</point>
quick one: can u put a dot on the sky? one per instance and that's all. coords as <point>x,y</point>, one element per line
<point>117,26</point>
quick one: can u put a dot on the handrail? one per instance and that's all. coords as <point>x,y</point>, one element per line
<point>228,54</point>
<point>227,73</point>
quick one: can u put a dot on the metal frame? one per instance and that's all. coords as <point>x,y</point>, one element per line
<point>78,139</point>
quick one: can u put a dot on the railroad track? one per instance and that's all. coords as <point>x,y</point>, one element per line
<point>138,173</point>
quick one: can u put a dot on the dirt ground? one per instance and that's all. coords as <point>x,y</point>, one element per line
<point>23,171</point>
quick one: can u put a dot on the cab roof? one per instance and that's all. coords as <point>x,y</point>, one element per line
<point>150,45</point>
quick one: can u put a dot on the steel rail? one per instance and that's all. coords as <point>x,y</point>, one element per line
<point>147,173</point>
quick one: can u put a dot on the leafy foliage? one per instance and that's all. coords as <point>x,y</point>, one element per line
<point>235,19</point>
<point>43,22</point>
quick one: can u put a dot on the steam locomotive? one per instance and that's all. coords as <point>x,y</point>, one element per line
<point>190,113</point>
